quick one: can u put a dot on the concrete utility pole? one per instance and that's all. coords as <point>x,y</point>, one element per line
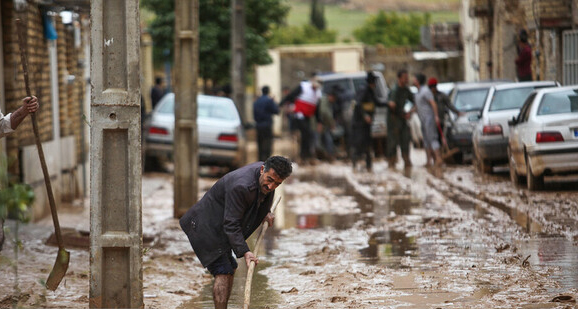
<point>115,156</point>
<point>238,60</point>
<point>186,74</point>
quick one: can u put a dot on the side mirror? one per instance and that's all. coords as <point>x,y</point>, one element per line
<point>512,122</point>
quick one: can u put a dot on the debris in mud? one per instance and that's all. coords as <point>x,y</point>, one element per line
<point>340,299</point>
<point>307,273</point>
<point>502,247</point>
<point>292,291</point>
<point>563,299</point>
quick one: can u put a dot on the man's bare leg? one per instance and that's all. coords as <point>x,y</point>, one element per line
<point>222,290</point>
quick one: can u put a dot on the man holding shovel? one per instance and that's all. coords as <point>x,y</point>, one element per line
<point>9,123</point>
<point>228,214</point>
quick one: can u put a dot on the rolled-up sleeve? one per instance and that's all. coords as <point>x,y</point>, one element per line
<point>5,125</point>
<point>235,207</point>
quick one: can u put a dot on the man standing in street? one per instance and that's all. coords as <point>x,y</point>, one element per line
<point>362,118</point>
<point>9,123</point>
<point>524,59</point>
<point>228,214</point>
<point>157,92</point>
<point>263,110</point>
<point>427,111</point>
<point>306,98</point>
<point>443,102</point>
<point>398,133</point>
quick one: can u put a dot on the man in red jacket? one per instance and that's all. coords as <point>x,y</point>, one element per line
<point>524,59</point>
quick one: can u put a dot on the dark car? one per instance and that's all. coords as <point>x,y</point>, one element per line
<point>469,99</point>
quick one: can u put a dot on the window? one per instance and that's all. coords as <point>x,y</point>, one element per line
<point>509,98</point>
<point>470,100</point>
<point>559,103</point>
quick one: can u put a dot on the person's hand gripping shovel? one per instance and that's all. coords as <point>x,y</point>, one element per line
<point>63,257</point>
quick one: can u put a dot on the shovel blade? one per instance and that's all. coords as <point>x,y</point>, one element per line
<point>59,269</point>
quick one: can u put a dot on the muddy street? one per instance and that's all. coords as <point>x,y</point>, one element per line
<point>389,239</point>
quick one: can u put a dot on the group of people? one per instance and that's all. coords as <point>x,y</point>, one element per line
<point>320,118</point>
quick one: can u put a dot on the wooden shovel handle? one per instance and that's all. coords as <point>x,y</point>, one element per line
<point>251,269</point>
<point>20,28</point>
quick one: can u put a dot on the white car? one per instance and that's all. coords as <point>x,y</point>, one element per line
<point>221,134</point>
<point>490,136</point>
<point>544,136</point>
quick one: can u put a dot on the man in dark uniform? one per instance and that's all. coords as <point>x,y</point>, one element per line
<point>228,214</point>
<point>362,118</point>
<point>263,110</point>
<point>398,133</point>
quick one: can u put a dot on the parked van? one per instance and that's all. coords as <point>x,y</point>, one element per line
<point>350,85</point>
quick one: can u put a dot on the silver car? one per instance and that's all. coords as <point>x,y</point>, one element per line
<point>490,136</point>
<point>544,136</point>
<point>221,133</point>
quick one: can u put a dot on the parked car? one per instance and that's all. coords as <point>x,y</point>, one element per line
<point>220,131</point>
<point>544,136</point>
<point>490,136</point>
<point>469,99</point>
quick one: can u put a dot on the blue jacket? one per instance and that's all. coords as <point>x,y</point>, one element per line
<point>263,110</point>
<point>227,215</point>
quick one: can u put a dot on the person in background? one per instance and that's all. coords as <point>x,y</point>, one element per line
<point>325,125</point>
<point>398,133</point>
<point>157,92</point>
<point>9,123</point>
<point>363,113</point>
<point>228,214</point>
<point>427,111</point>
<point>306,97</point>
<point>524,59</point>
<point>443,102</point>
<point>263,110</point>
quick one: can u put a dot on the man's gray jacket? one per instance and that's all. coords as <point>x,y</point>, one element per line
<point>227,215</point>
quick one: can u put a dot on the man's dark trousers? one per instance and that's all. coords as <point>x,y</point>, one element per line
<point>264,142</point>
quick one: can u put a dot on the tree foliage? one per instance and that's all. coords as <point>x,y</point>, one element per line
<point>392,29</point>
<point>318,14</point>
<point>306,34</point>
<point>215,33</point>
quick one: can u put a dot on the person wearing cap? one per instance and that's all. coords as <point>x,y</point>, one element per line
<point>524,59</point>
<point>428,115</point>
<point>305,97</point>
<point>363,113</point>
<point>443,102</point>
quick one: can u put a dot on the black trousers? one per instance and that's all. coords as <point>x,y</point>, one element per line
<point>264,142</point>
<point>304,127</point>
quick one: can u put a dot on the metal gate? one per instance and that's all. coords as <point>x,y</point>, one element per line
<point>570,56</point>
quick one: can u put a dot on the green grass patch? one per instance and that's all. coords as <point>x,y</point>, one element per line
<point>345,21</point>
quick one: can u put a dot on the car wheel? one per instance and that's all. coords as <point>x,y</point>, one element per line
<point>533,182</point>
<point>514,177</point>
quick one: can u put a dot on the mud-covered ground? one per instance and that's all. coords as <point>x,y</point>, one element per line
<point>389,239</point>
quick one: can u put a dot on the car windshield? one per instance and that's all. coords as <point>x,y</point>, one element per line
<point>216,109</point>
<point>509,98</point>
<point>469,100</point>
<point>559,103</point>
<point>206,108</point>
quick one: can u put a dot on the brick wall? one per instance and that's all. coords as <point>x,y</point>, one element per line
<point>71,96</point>
<point>38,68</point>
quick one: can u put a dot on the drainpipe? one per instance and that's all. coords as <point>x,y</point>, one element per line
<point>2,95</point>
<point>54,93</point>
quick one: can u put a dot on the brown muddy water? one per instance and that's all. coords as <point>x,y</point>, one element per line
<point>392,248</point>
